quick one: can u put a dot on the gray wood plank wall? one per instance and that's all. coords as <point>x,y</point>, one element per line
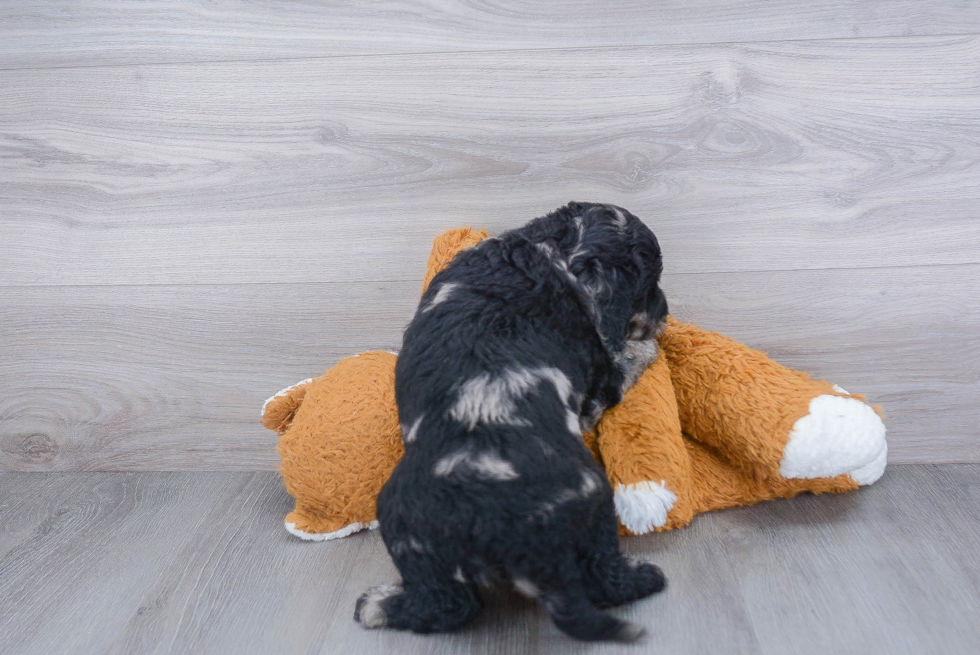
<point>98,32</point>
<point>202,203</point>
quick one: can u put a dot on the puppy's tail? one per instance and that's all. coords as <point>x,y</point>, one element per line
<point>576,616</point>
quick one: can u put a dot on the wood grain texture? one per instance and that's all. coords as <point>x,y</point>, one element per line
<point>92,32</point>
<point>173,377</point>
<point>199,562</point>
<point>796,155</point>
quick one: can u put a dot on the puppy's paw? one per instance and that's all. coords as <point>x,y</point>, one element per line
<point>630,633</point>
<point>369,611</point>
<point>839,435</point>
<point>622,579</point>
<point>648,578</point>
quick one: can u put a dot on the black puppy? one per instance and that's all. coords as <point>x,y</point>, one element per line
<point>517,347</point>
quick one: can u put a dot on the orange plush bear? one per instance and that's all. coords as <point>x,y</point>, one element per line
<point>710,424</point>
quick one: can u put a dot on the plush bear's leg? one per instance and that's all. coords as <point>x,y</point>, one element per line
<point>721,484</point>
<point>643,453</point>
<point>609,577</point>
<point>766,419</point>
<point>429,599</point>
<point>838,435</point>
<point>339,445</point>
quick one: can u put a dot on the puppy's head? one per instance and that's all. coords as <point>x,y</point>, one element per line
<point>617,260</point>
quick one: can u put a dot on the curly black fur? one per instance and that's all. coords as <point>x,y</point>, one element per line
<point>517,346</point>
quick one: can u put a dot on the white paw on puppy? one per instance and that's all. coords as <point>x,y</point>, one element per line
<point>368,611</point>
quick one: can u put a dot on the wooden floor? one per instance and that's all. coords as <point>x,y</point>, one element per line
<point>199,562</point>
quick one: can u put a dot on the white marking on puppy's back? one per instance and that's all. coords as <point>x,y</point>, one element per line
<point>526,588</point>
<point>486,466</point>
<point>493,400</point>
<point>445,466</point>
<point>491,467</point>
<point>488,399</point>
<point>563,386</point>
<point>442,295</point>
<point>590,483</point>
<point>566,496</point>
<point>561,382</point>
<point>409,435</point>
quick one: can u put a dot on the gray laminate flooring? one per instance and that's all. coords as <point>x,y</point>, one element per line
<point>199,562</point>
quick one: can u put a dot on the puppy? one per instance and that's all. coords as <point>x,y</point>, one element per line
<point>517,347</point>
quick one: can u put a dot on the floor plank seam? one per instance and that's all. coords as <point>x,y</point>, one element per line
<point>423,53</point>
<point>407,280</point>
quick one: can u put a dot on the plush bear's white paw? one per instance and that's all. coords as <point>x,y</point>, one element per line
<point>643,506</point>
<point>839,435</point>
<point>357,526</point>
<point>873,470</point>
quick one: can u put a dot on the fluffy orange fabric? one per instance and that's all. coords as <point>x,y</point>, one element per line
<point>339,443</point>
<point>706,427</point>
<point>339,434</point>
<point>446,246</point>
<point>710,420</point>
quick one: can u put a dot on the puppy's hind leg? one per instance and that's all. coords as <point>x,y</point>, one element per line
<point>609,577</point>
<point>428,600</point>
<point>563,597</point>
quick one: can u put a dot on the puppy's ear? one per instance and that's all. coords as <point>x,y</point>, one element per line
<point>649,265</point>
<point>657,306</point>
<point>600,259</point>
<point>649,314</point>
<point>617,260</point>
<point>614,305</point>
<point>608,291</point>
<point>599,244</point>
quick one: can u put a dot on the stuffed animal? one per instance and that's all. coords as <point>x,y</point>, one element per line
<point>710,424</point>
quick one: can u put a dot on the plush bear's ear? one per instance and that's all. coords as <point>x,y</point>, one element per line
<point>446,246</point>
<point>278,411</point>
